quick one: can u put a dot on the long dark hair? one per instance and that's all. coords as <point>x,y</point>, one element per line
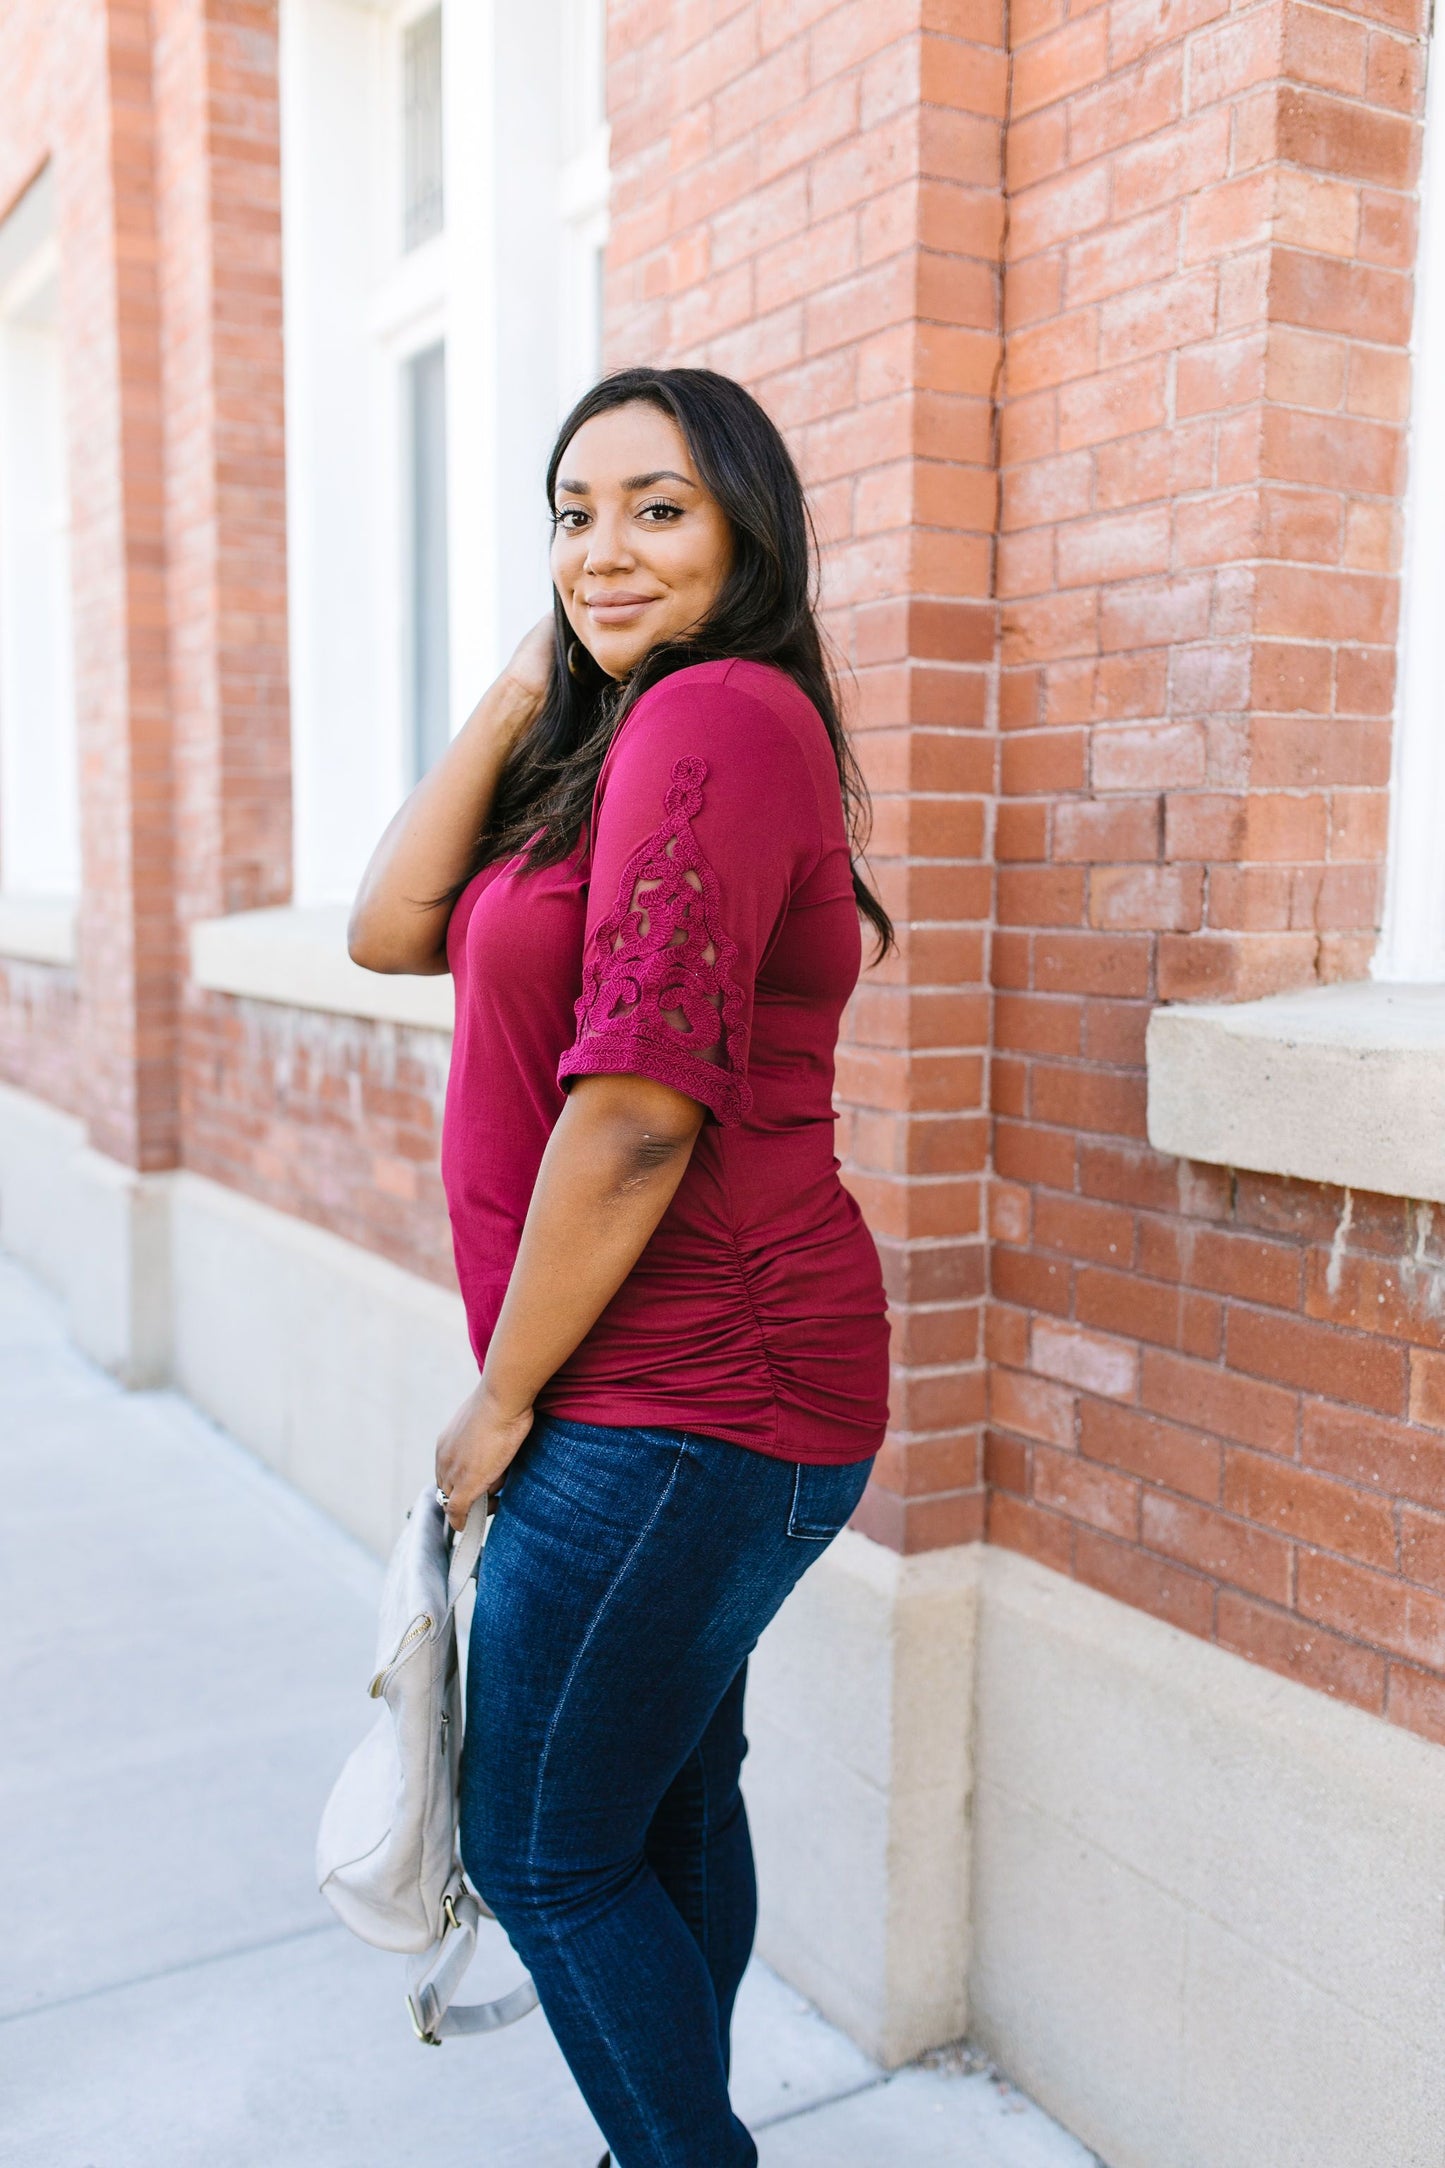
<point>764,612</point>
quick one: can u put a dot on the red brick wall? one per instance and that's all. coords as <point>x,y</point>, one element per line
<point>1209,293</point>
<point>1209,1396</point>
<point>77,91</point>
<point>807,195</point>
<point>127,958</point>
<point>1219,1399</point>
<point>39,1031</point>
<point>330,1117</point>
<point>161,123</point>
<point>219,193</point>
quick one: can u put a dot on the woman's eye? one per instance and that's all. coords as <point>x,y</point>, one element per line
<point>669,512</point>
<point>565,515</point>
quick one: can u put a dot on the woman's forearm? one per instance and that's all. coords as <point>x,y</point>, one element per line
<point>426,845</point>
<point>612,1164</point>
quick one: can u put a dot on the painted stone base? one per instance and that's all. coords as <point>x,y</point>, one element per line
<point>1197,1911</point>
<point>1208,1904</point>
<point>95,1231</point>
<point>860,1730</point>
<point>334,1365</point>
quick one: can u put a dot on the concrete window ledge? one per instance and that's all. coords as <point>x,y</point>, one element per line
<point>1338,1084</point>
<point>296,955</point>
<point>38,929</point>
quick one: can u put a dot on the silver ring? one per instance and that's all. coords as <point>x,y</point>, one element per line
<point>443,1498</point>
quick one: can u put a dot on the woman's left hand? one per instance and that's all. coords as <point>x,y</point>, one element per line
<point>476,1449</point>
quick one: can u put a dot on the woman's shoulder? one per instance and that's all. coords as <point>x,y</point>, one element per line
<point>739,677</point>
<point>738,743</point>
<point>731,702</point>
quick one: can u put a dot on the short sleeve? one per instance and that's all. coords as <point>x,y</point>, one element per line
<point>705,822</point>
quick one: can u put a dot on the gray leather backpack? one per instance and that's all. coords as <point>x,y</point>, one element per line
<point>386,1851</point>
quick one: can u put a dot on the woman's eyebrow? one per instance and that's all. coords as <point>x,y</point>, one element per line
<point>663,474</point>
<point>629,481</point>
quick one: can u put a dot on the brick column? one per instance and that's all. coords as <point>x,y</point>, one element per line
<point>1197,1376</point>
<point>809,198</point>
<point>104,127</point>
<point>218,179</point>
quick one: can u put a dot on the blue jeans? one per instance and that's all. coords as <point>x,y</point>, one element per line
<point>627,1575</point>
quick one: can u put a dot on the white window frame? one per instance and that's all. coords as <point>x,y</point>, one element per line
<point>407,312</point>
<point>358,307</point>
<point>1412,943</point>
<point>582,194</point>
<point>39,800</point>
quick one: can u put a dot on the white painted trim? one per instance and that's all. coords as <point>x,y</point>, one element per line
<point>341,528</point>
<point>39,797</point>
<point>296,955</point>
<point>1412,944</point>
<point>38,929</point>
<point>583,184</point>
<point>32,276</point>
<point>1338,1084</point>
<point>510,288</point>
<point>409,309</point>
<point>26,233</point>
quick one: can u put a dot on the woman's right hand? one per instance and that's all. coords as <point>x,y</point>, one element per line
<point>399,919</point>
<point>530,668</point>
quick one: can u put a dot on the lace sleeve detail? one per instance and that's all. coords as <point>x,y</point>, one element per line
<point>659,995</point>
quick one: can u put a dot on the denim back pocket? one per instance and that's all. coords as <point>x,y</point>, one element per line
<point>824,1498</point>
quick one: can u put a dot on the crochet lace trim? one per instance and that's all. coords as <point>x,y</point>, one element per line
<point>658,972</point>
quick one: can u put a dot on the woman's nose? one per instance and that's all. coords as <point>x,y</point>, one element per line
<point>607,548</point>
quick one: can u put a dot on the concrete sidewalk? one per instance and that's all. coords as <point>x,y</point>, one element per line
<point>185,1645</point>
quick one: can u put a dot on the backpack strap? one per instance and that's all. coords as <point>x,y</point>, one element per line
<point>466,1549</point>
<point>437,1974</point>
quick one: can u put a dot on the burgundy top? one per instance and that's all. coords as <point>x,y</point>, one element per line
<point>709,939</point>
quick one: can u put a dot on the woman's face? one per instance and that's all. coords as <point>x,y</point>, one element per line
<point>640,548</point>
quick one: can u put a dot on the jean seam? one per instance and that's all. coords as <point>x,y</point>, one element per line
<point>801,1531</point>
<point>793,1507</point>
<point>702,1856</point>
<point>559,1942</point>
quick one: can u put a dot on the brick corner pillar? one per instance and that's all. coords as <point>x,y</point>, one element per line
<point>104,131</point>
<point>163,131</point>
<point>809,199</point>
<point>218,187</point>
<point>1209,297</point>
<point>1209,290</point>
<point>169,209</point>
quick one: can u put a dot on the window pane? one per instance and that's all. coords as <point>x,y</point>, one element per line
<point>422,128</point>
<point>430,688</point>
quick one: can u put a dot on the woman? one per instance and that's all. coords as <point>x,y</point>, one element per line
<point>635,861</point>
